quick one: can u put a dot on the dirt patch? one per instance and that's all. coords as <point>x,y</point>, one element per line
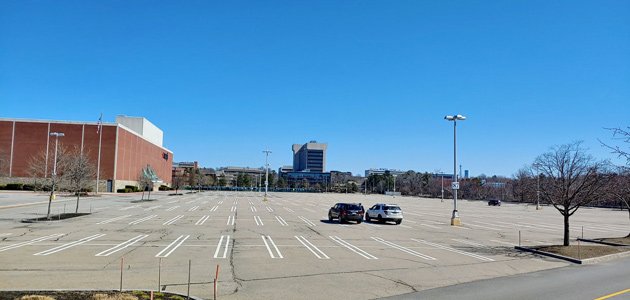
<point>86,295</point>
<point>581,252</point>
<point>56,217</point>
<point>619,240</point>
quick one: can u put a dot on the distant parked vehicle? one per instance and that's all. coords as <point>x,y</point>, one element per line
<point>494,202</point>
<point>346,212</point>
<point>384,212</point>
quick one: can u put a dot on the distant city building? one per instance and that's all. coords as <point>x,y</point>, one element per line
<point>299,179</point>
<point>182,168</point>
<point>285,169</point>
<point>382,171</point>
<point>466,174</point>
<point>309,157</point>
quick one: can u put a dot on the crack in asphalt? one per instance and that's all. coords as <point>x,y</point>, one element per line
<point>400,282</point>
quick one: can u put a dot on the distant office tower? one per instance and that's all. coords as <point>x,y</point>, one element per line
<point>310,157</point>
<point>466,174</point>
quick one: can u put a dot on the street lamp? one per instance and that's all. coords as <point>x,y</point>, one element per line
<point>57,135</point>
<point>455,220</point>
<point>266,172</point>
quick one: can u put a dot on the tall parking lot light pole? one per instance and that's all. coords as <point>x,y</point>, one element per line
<point>455,220</point>
<point>266,172</point>
<point>57,135</point>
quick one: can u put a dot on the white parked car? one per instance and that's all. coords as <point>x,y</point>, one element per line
<point>384,212</point>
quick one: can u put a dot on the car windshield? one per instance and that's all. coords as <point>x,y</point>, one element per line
<point>394,208</point>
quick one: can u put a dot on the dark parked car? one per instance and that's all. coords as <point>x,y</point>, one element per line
<point>346,212</point>
<point>494,202</point>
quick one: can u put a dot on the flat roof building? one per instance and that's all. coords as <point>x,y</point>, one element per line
<point>309,157</point>
<point>124,149</point>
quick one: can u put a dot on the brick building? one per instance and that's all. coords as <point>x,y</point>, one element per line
<point>126,147</point>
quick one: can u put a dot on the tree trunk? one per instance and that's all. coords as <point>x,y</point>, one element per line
<point>149,196</point>
<point>142,195</point>
<point>49,203</point>
<point>76,211</point>
<point>566,228</point>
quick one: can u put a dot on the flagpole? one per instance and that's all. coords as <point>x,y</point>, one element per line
<point>98,163</point>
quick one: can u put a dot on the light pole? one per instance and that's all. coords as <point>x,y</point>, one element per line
<point>57,135</point>
<point>266,172</point>
<point>455,220</point>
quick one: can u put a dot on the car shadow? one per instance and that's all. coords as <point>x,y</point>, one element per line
<point>325,221</point>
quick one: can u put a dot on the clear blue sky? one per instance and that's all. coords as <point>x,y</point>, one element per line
<point>373,79</point>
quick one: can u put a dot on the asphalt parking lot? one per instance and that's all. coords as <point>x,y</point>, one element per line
<point>284,247</point>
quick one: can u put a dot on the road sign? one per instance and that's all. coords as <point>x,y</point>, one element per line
<point>455,185</point>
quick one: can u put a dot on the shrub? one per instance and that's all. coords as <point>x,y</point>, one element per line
<point>28,187</point>
<point>14,186</point>
<point>164,188</point>
<point>3,187</point>
<point>132,188</point>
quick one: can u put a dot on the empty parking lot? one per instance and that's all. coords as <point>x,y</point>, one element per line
<point>284,247</point>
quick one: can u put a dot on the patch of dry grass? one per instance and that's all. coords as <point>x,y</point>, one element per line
<point>581,252</point>
<point>36,297</point>
<point>114,297</point>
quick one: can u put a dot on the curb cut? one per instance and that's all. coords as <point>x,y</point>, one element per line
<point>602,242</point>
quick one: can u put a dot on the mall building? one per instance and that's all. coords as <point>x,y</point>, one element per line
<point>120,151</point>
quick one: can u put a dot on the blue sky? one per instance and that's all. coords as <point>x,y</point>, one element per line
<point>374,79</point>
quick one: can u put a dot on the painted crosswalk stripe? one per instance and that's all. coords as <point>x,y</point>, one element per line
<point>172,208</point>
<point>70,245</point>
<point>121,246</point>
<point>214,208</point>
<point>307,221</point>
<point>33,241</point>
<point>142,220</point>
<point>316,251</point>
<point>477,256</point>
<point>468,243</point>
<point>202,220</point>
<point>220,245</point>
<point>129,207</point>
<point>403,249</point>
<point>269,209</point>
<point>268,241</point>
<point>193,208</point>
<point>113,219</point>
<point>253,208</point>
<point>281,221</point>
<point>172,246</point>
<point>258,221</point>
<point>230,220</point>
<point>152,207</point>
<point>352,248</point>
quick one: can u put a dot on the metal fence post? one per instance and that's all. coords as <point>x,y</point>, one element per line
<point>188,292</point>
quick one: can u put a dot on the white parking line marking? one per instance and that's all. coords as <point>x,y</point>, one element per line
<point>33,241</point>
<point>373,225</point>
<point>289,210</point>
<point>5,234</point>
<point>172,208</point>
<point>403,249</point>
<point>352,248</point>
<point>233,209</point>
<point>192,201</point>
<point>172,246</point>
<point>230,220</point>
<point>307,221</point>
<point>281,221</point>
<point>477,256</point>
<point>173,220</point>
<point>202,220</point>
<point>193,208</point>
<point>220,202</point>
<point>225,248</point>
<point>235,202</point>
<point>486,227</point>
<point>152,207</point>
<point>253,209</point>
<point>170,202</point>
<point>316,251</point>
<point>413,222</point>
<point>258,221</point>
<point>142,220</point>
<point>269,209</point>
<point>129,207</point>
<point>113,219</point>
<point>121,246</point>
<point>214,208</point>
<point>268,239</point>
<point>468,243</point>
<point>251,203</point>
<point>70,245</point>
<point>405,226</point>
<point>505,243</point>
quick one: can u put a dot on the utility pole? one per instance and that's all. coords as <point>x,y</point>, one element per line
<point>267,152</point>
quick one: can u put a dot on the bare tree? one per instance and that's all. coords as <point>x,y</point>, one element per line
<point>178,180</point>
<point>624,136</point>
<point>619,188</point>
<point>146,184</point>
<point>572,178</point>
<point>39,168</point>
<point>79,172</point>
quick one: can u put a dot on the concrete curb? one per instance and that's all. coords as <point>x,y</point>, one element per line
<point>104,291</point>
<point>585,261</point>
<point>602,242</point>
<point>569,259</point>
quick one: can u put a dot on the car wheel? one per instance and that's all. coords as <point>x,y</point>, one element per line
<point>340,220</point>
<point>398,222</point>
<point>367,217</point>
<point>380,219</point>
<point>330,217</point>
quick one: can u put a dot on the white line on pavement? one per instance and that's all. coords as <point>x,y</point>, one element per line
<point>214,208</point>
<point>258,221</point>
<point>142,220</point>
<point>33,241</point>
<point>403,249</point>
<point>225,248</point>
<point>468,243</point>
<point>505,243</point>
<point>405,226</point>
<point>318,253</point>
<point>113,219</point>
<point>129,207</point>
<point>5,234</point>
<point>307,221</point>
<point>152,207</point>
<point>121,246</point>
<point>172,208</point>
<point>202,220</point>
<point>230,220</point>
<point>233,209</point>
<point>269,209</point>
<point>172,246</point>
<point>70,245</point>
<point>268,239</point>
<point>253,209</point>
<point>172,201</point>
<point>281,221</point>
<point>477,256</point>
<point>173,220</point>
<point>352,248</point>
<point>289,210</point>
<point>193,208</point>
